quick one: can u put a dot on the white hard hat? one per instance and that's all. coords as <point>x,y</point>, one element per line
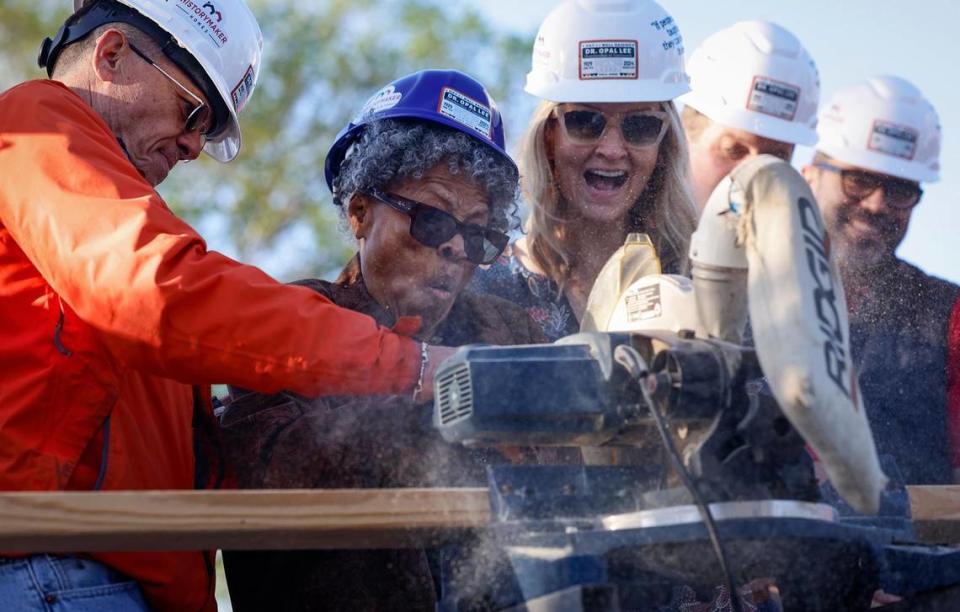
<point>608,51</point>
<point>756,76</point>
<point>222,36</point>
<point>883,124</point>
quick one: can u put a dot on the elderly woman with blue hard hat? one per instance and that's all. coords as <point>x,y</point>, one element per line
<point>427,190</point>
<point>603,156</point>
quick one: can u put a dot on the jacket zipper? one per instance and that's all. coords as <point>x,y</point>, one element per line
<point>57,342</point>
<point>104,455</point>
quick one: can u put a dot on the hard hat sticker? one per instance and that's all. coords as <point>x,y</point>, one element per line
<point>241,93</point>
<point>644,303</point>
<point>892,139</point>
<point>386,98</point>
<point>774,98</point>
<point>206,17</point>
<point>608,59</point>
<point>465,111</point>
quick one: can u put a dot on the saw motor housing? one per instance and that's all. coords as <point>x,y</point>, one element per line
<point>733,437</point>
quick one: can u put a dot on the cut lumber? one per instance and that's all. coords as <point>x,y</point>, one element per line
<point>936,513</point>
<point>298,519</point>
<point>268,519</point>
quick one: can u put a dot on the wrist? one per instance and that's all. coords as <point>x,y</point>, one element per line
<point>424,361</point>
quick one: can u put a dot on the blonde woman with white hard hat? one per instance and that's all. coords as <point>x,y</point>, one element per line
<point>603,155</point>
<point>879,142</point>
<point>755,91</point>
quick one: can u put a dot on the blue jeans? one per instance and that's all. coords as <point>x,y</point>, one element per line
<point>65,584</point>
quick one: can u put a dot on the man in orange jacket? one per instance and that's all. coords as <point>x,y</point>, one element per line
<point>112,312</point>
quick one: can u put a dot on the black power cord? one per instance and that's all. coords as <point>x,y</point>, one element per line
<point>630,359</point>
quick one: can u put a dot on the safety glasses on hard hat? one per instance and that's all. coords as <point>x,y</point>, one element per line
<point>639,128</point>
<point>433,227</point>
<point>859,184</point>
<point>197,117</point>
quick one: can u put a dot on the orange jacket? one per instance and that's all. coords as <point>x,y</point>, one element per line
<point>111,307</point>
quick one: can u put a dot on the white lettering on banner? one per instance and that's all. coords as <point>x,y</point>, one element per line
<point>772,97</point>
<point>892,139</point>
<point>672,38</point>
<point>824,295</point>
<point>466,111</point>
<point>608,59</point>
<point>206,19</point>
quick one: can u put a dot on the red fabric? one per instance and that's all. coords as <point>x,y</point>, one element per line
<point>111,306</point>
<point>953,383</point>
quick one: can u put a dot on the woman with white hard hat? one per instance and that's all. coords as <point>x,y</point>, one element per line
<point>755,90</point>
<point>603,156</point>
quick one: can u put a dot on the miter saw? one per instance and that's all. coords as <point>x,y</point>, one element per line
<point>719,484</point>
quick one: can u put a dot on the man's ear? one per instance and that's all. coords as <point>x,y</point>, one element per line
<point>111,50</point>
<point>360,214</point>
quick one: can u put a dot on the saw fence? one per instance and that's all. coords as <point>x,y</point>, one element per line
<point>298,519</point>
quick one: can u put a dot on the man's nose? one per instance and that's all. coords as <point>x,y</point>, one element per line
<point>454,248</point>
<point>876,202</point>
<point>190,145</point>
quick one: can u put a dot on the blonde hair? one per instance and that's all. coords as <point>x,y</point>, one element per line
<point>674,215</point>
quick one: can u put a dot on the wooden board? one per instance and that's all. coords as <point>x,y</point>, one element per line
<point>936,513</point>
<point>273,519</point>
<point>292,519</point>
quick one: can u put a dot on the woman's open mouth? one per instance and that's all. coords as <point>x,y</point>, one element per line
<point>606,180</point>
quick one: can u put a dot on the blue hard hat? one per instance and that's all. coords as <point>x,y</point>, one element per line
<point>447,97</point>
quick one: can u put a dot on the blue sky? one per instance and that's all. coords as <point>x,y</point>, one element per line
<point>849,40</point>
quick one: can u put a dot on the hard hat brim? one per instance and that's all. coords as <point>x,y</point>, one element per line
<point>337,153</point>
<point>627,90</point>
<point>765,126</point>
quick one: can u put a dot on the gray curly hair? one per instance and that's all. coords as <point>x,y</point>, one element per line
<point>392,150</point>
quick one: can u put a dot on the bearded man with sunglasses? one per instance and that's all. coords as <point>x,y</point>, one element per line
<point>114,316</point>
<point>879,140</point>
<point>424,183</point>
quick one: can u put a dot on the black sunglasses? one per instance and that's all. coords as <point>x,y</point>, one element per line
<point>859,184</point>
<point>432,227</point>
<point>639,128</point>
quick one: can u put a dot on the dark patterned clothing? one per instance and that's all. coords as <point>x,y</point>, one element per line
<point>538,295</point>
<point>899,336</point>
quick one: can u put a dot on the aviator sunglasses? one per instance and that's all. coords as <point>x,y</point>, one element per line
<point>858,185</point>
<point>432,227</point>
<point>196,117</point>
<point>639,128</point>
